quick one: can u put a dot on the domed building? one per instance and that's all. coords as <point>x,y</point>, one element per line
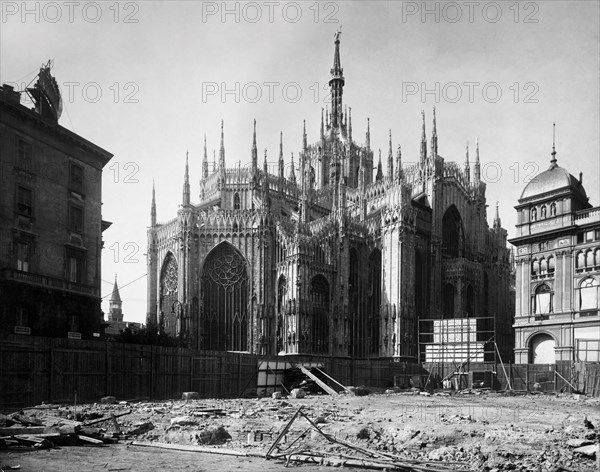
<point>557,271</point>
<point>338,256</point>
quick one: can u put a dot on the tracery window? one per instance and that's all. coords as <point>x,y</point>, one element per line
<point>319,288</point>
<point>374,298</point>
<point>449,293</point>
<point>452,233</point>
<point>236,201</point>
<point>225,289</point>
<point>168,295</point>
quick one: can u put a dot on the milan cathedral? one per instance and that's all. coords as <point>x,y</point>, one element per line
<point>339,257</point>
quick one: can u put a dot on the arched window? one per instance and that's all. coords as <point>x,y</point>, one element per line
<point>535,267</point>
<point>486,294</point>
<point>225,289</point>
<point>374,299</point>
<point>470,302</point>
<point>451,233</point>
<point>449,301</point>
<point>542,349</point>
<point>236,201</point>
<point>319,333</point>
<point>580,261</point>
<point>542,300</point>
<point>543,212</point>
<point>543,266</point>
<point>589,259</point>
<point>281,293</point>
<point>551,265</point>
<point>533,214</point>
<point>553,209</point>
<point>168,295</point>
<point>597,258</point>
<point>357,325</point>
<point>588,294</point>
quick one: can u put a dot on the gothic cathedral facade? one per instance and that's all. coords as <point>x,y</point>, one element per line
<point>338,257</point>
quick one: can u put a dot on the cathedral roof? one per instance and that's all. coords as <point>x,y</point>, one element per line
<point>552,179</point>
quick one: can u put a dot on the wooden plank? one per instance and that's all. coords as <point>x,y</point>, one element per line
<point>89,440</point>
<point>317,380</point>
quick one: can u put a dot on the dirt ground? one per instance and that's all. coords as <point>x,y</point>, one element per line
<point>487,431</point>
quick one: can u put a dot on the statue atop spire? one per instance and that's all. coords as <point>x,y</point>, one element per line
<point>292,177</point>
<point>379,175</point>
<point>336,84</point>
<point>254,150</point>
<point>399,164</point>
<point>390,165</point>
<point>350,123</point>
<point>467,165</point>
<point>477,171</point>
<point>423,140</point>
<point>205,161</point>
<point>434,138</point>
<point>222,150</point>
<point>497,222</point>
<point>281,163</point>
<point>153,207</point>
<point>186,182</point>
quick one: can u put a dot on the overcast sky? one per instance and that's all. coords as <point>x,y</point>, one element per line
<point>146,80</point>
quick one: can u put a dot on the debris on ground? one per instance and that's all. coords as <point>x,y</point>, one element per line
<point>391,429</point>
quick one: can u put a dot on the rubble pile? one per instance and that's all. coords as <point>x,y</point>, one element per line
<point>472,431</point>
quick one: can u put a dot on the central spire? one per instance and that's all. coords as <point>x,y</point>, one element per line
<point>336,84</point>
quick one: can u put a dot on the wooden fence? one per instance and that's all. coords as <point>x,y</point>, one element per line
<point>37,369</point>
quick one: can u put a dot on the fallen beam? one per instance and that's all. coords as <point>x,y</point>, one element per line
<point>317,380</point>
<point>333,380</point>
<point>106,418</point>
<point>209,450</point>
<point>11,431</point>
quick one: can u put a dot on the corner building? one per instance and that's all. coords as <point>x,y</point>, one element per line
<point>338,257</point>
<point>557,271</point>
<point>50,219</point>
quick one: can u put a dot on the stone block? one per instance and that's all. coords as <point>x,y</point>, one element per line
<point>190,396</point>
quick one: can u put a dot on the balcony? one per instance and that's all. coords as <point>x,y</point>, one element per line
<point>49,282</point>
<point>591,215</point>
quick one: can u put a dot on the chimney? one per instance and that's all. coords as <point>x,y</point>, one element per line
<point>9,94</point>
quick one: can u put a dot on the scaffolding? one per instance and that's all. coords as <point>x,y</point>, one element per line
<point>457,341</point>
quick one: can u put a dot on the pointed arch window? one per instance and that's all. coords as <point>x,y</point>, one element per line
<point>374,299</point>
<point>236,201</point>
<point>470,302</point>
<point>449,294</point>
<point>169,295</point>
<point>452,233</point>
<point>225,290</point>
<point>319,332</point>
